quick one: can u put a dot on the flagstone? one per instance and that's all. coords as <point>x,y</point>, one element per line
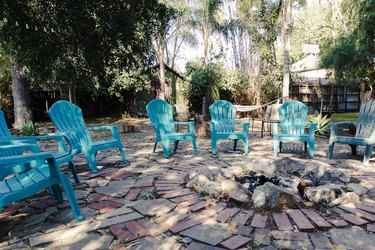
<point>211,233</point>
<point>155,207</point>
<point>116,188</point>
<point>86,242</point>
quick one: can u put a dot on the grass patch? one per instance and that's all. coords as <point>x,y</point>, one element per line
<point>339,117</point>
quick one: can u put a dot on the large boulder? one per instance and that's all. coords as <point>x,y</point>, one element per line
<point>202,184</point>
<point>235,191</point>
<point>323,194</point>
<point>272,197</point>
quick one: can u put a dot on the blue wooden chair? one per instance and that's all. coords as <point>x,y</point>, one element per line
<point>68,119</point>
<point>359,133</point>
<point>222,125</point>
<point>293,121</point>
<point>161,117</point>
<point>61,157</point>
<point>24,182</point>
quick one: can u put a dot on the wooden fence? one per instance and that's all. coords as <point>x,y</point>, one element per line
<point>41,101</point>
<point>328,97</point>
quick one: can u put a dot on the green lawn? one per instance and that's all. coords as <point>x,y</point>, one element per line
<point>344,117</point>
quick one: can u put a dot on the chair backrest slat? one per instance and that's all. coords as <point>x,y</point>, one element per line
<point>5,135</point>
<point>366,120</point>
<point>160,112</point>
<point>68,117</point>
<point>223,113</point>
<point>293,117</point>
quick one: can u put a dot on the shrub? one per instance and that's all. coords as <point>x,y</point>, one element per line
<point>30,129</point>
<point>323,122</point>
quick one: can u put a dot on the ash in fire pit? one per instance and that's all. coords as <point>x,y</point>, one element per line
<point>253,180</point>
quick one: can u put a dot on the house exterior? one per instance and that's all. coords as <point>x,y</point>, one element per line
<point>314,89</point>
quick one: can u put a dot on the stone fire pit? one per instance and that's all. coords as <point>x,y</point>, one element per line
<point>283,184</point>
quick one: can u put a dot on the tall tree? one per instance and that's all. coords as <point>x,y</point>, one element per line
<point>287,34</point>
<point>352,57</point>
<point>84,44</point>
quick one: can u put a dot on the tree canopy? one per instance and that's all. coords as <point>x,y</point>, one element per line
<point>94,44</point>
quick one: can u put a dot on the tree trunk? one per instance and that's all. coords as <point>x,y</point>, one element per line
<point>287,33</point>
<point>206,43</point>
<point>21,98</point>
<point>73,91</point>
<point>161,69</point>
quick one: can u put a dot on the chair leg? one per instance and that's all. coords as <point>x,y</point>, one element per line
<point>354,149</point>
<point>235,144</point>
<point>74,171</point>
<point>165,144</point>
<point>261,132</point>
<point>194,145</point>
<point>281,146</point>
<point>213,146</point>
<point>276,144</point>
<point>311,149</point>
<point>368,153</point>
<point>122,154</point>
<point>56,191</point>
<point>305,146</point>
<point>330,150</point>
<point>246,145</point>
<point>175,145</point>
<point>71,197</point>
<point>155,145</point>
<point>91,159</point>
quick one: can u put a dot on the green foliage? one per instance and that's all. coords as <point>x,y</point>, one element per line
<point>30,129</point>
<point>352,57</point>
<point>6,99</point>
<point>323,122</point>
<point>204,82</point>
<point>90,43</point>
<point>339,117</point>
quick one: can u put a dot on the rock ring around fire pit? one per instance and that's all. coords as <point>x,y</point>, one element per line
<point>276,185</point>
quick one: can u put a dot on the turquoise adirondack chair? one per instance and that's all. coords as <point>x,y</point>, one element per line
<point>68,119</point>
<point>161,117</point>
<point>61,157</point>
<point>43,173</point>
<point>222,124</point>
<point>293,121</point>
<point>363,131</point>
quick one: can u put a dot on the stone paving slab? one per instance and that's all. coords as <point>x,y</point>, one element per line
<point>301,221</point>
<point>116,195</point>
<point>262,236</point>
<point>235,242</point>
<point>259,221</point>
<point>209,233</point>
<point>316,218</point>
<point>321,241</point>
<point>155,207</point>
<point>282,222</point>
<point>199,246</point>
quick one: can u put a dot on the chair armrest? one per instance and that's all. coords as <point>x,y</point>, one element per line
<point>9,146</point>
<point>212,126</point>
<point>245,125</point>
<point>113,129</point>
<point>58,138</point>
<point>22,159</point>
<point>190,124</point>
<point>312,129</point>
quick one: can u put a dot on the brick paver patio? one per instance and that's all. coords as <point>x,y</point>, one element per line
<point>146,206</point>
